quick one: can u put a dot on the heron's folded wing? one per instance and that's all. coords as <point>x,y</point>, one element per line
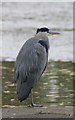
<point>32,63</point>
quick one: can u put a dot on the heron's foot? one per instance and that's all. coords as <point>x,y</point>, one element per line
<point>35,105</point>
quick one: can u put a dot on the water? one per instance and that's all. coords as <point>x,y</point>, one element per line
<point>20,21</point>
<point>54,88</point>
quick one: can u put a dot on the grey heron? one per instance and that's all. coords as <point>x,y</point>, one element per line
<point>31,62</point>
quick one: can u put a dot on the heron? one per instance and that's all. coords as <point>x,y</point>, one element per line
<point>31,62</point>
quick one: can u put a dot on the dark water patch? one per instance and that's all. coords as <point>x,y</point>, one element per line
<point>55,87</point>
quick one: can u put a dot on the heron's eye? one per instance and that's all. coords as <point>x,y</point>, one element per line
<point>44,44</point>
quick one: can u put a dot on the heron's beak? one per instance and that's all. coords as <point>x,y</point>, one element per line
<point>54,33</point>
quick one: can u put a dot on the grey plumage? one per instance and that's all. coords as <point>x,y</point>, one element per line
<point>31,63</point>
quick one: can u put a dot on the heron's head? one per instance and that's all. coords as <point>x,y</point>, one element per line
<point>46,30</point>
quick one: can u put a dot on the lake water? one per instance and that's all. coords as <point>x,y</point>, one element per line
<point>20,21</point>
<point>54,88</point>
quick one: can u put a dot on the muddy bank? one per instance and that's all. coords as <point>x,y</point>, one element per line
<point>44,112</point>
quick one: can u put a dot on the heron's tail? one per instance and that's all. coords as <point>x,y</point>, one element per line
<point>23,90</point>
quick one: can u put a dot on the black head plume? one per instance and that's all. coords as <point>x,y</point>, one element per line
<point>44,29</point>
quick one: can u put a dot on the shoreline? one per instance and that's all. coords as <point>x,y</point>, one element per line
<point>38,112</point>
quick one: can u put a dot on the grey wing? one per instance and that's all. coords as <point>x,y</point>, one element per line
<point>30,68</point>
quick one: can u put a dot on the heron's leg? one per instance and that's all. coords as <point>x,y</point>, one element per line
<point>32,101</point>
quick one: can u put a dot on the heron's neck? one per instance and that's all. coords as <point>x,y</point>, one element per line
<point>43,36</point>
